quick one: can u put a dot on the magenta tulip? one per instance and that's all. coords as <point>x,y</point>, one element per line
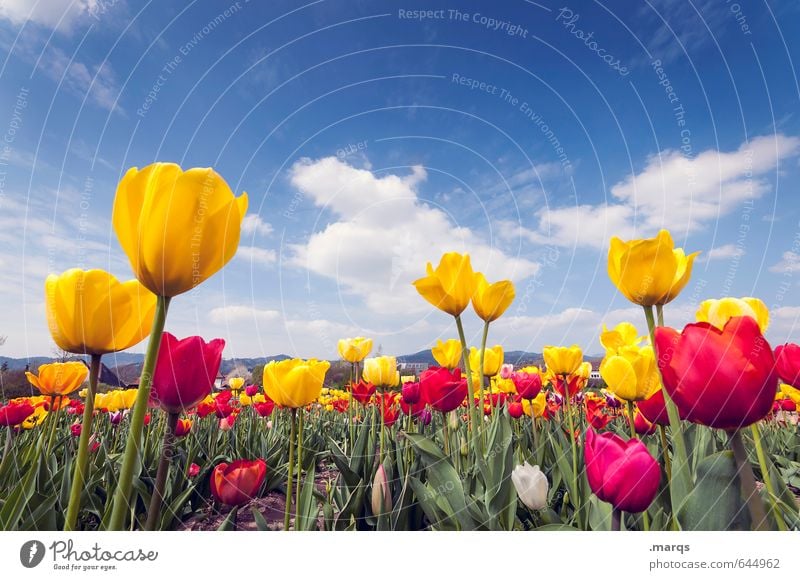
<point>622,473</point>
<point>185,371</point>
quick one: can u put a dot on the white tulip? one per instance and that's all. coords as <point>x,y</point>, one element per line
<point>531,485</point>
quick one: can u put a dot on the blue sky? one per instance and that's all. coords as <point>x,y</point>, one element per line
<point>371,138</point>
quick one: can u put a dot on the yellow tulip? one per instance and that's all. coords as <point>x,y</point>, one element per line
<point>538,404</point>
<point>500,385</point>
<point>492,360</point>
<point>235,383</point>
<point>354,350</point>
<point>623,334</point>
<point>631,374</point>
<point>718,312</point>
<point>563,360</point>
<point>381,371</point>
<point>59,379</point>
<point>451,285</point>
<point>490,301</point>
<point>294,383</point>
<point>91,312</point>
<point>447,353</point>
<point>789,392</point>
<point>649,271</point>
<point>39,415</point>
<point>177,227</point>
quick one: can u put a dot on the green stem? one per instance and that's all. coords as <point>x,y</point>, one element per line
<point>471,409</point>
<point>748,482</point>
<point>299,455</point>
<point>631,422</point>
<point>133,445</point>
<point>680,483</point>
<point>350,430</point>
<point>446,434</point>
<point>79,475</point>
<point>665,451</point>
<point>616,520</point>
<point>762,462</point>
<point>6,449</point>
<point>482,373</point>
<point>575,501</point>
<point>157,499</point>
<point>53,422</point>
<point>289,477</point>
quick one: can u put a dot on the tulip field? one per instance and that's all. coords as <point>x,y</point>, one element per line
<point>694,425</point>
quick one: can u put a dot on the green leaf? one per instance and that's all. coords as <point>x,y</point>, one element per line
<point>444,480</point>
<point>261,522</point>
<point>229,524</point>
<point>715,503</point>
<point>308,509</point>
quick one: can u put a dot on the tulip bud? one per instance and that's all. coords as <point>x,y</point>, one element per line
<point>75,429</point>
<point>425,416</point>
<point>251,390</point>
<point>506,371</point>
<point>515,410</point>
<point>381,495</point>
<point>464,447</point>
<point>531,485</point>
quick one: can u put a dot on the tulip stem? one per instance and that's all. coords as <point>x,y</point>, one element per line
<point>483,376</point>
<point>680,481</point>
<point>167,450</point>
<point>631,422</point>
<point>350,430</point>
<point>665,451</point>
<point>762,462</point>
<point>79,475</point>
<point>53,422</point>
<point>471,409</point>
<point>299,456</point>
<point>616,520</point>
<point>289,477</point>
<point>134,443</point>
<point>6,449</point>
<point>748,482</point>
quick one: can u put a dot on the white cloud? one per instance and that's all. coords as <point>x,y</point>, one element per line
<point>672,191</point>
<point>237,313</point>
<point>257,255</point>
<point>383,235</point>
<point>722,253</point>
<point>253,224</point>
<point>790,263</point>
<point>54,14</point>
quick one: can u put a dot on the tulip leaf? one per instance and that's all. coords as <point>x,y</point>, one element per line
<point>351,478</point>
<point>260,521</point>
<point>307,509</point>
<point>499,493</point>
<point>443,479</point>
<point>229,523</point>
<point>715,503</point>
<point>556,528</point>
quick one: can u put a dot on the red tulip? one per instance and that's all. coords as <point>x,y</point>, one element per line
<point>654,409</point>
<point>787,360</point>
<point>528,384</point>
<point>194,469</point>
<point>14,414</point>
<point>265,409</point>
<point>183,427</point>
<point>237,483</point>
<point>515,410</point>
<point>185,371</point>
<point>442,389</point>
<point>642,425</point>
<point>622,473</point>
<point>784,405</point>
<point>205,409</point>
<point>411,393</point>
<point>362,391</point>
<point>718,378</point>
<point>389,409</point>
<point>76,429</point>
<point>251,390</point>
